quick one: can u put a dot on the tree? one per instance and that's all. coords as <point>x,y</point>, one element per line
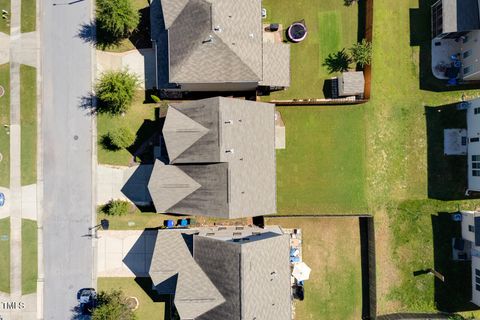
<point>115,91</point>
<point>115,21</point>
<point>112,306</point>
<point>362,53</point>
<point>120,138</point>
<point>116,208</point>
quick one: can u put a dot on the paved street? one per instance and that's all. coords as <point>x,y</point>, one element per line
<point>67,157</point>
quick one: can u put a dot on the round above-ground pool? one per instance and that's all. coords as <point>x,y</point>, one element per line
<point>297,32</point>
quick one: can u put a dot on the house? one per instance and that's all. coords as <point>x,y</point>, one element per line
<point>221,159</point>
<point>223,273</point>
<point>455,35</point>
<point>219,46</point>
<point>471,234</point>
<point>473,144</point>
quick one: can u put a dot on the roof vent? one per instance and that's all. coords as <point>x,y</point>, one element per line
<point>210,234</point>
<point>229,122</point>
<point>218,29</point>
<point>229,151</point>
<point>251,35</point>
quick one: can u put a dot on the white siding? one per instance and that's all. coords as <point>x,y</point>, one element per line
<point>472,61</point>
<point>468,219</point>
<point>475,292</point>
<point>473,131</point>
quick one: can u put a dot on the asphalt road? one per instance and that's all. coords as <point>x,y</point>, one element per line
<point>67,161</point>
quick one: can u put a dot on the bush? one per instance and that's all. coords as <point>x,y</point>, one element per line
<point>115,91</point>
<point>120,138</point>
<point>362,53</point>
<point>116,208</point>
<point>115,21</point>
<point>112,306</point>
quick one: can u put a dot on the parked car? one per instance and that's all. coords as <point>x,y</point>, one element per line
<point>87,297</point>
<point>2,199</point>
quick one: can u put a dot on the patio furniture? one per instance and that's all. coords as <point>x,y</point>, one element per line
<point>273,27</point>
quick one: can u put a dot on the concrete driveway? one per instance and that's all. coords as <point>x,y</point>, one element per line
<point>125,253</point>
<point>125,183</point>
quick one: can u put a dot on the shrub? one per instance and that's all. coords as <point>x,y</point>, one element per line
<point>115,91</point>
<point>115,21</point>
<point>116,208</point>
<point>362,53</point>
<point>120,137</point>
<point>112,306</point>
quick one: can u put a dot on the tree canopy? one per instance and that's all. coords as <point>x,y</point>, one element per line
<point>115,91</point>
<point>362,53</point>
<point>115,21</point>
<point>112,306</point>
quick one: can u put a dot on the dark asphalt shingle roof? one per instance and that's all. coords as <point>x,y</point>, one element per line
<point>252,276</point>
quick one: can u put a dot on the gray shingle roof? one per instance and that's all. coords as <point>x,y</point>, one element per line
<point>195,294</point>
<point>214,41</point>
<point>351,83</point>
<point>253,276</point>
<point>242,137</point>
<point>276,65</point>
<point>212,197</point>
<point>179,136</point>
<point>170,185</point>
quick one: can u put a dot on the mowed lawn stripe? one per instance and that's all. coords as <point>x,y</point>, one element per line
<point>322,169</point>
<point>329,34</point>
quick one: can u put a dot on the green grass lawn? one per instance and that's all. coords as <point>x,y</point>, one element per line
<point>139,119</point>
<point>5,24</point>
<point>150,305</point>
<point>28,101</point>
<point>334,290</point>
<point>397,172</point>
<point>28,15</point>
<point>331,27</point>
<point>135,221</point>
<point>29,256</point>
<point>5,255</point>
<point>322,169</point>
<point>5,121</point>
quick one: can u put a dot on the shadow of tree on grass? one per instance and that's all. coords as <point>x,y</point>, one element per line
<point>338,62</point>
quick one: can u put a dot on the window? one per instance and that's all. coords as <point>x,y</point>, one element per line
<point>471,228</point>
<point>467,70</point>
<point>476,165</point>
<point>466,54</point>
<point>476,139</point>
<point>477,279</point>
<point>476,110</point>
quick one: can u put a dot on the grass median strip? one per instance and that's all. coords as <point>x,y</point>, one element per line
<point>29,256</point>
<point>28,100</point>
<point>28,16</point>
<point>4,126</point>
<point>5,255</point>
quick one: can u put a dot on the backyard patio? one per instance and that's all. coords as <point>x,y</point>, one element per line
<point>331,27</point>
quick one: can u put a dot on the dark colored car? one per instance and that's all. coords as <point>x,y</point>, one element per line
<point>87,297</point>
